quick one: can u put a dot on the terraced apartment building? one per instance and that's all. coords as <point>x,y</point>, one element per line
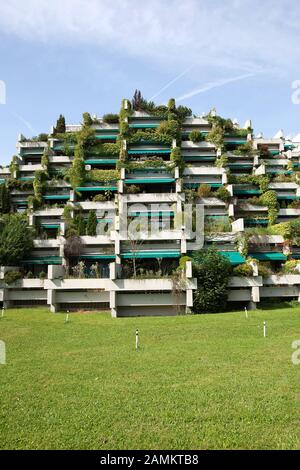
<point>82,187</point>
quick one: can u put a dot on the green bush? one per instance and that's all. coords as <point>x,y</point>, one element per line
<point>204,190</point>
<point>196,136</point>
<point>290,267</point>
<point>16,239</point>
<point>42,275</point>
<point>91,226</point>
<point>12,276</point>
<point>223,194</point>
<point>111,118</point>
<point>243,270</point>
<point>212,271</point>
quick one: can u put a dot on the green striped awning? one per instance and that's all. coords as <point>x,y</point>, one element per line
<point>148,180</point>
<point>43,260</point>
<point>151,151</point>
<point>234,257</point>
<point>152,254</point>
<point>269,256</point>
<point>96,188</point>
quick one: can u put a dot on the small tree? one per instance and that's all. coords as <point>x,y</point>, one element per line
<point>60,127</point>
<point>16,239</point>
<point>91,227</point>
<point>87,120</point>
<point>77,171</point>
<point>4,199</point>
<point>212,271</point>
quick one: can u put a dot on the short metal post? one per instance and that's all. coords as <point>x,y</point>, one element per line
<point>137,339</point>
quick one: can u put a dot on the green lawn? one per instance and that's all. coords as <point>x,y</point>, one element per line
<point>197,382</point>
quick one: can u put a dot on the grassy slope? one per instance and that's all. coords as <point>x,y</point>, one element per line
<point>207,381</point>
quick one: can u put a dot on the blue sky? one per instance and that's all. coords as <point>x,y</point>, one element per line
<point>74,56</point>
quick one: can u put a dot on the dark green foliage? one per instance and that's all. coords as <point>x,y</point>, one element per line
<point>60,127</point>
<point>79,224</point>
<point>12,276</point>
<point>4,199</point>
<point>111,118</point>
<point>77,171</point>
<point>223,194</point>
<point>87,120</point>
<point>91,227</point>
<point>212,271</point>
<point>16,239</point>
<point>196,136</point>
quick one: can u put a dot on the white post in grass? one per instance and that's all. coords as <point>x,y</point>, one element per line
<point>67,317</point>
<point>265,329</point>
<point>246,312</point>
<point>137,339</point>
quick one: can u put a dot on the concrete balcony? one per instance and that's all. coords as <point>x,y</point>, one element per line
<point>30,168</point>
<point>204,170</point>
<point>55,212</point>
<point>60,159</point>
<point>149,197</point>
<point>97,240</point>
<point>289,212</point>
<point>188,145</point>
<point>239,281</point>
<point>93,205</point>
<point>49,243</point>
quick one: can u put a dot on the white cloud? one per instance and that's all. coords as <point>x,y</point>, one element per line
<point>241,34</point>
<point>211,85</point>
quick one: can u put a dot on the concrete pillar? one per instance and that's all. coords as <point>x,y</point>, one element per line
<point>252,305</point>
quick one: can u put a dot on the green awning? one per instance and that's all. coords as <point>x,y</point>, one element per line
<point>148,180</point>
<point>101,161</point>
<point>50,226</point>
<point>57,196</point>
<point>43,260</point>
<point>152,254</point>
<point>149,151</point>
<point>96,188</point>
<point>269,256</point>
<point>143,126</point>
<point>99,256</point>
<point>234,257</point>
<point>106,136</point>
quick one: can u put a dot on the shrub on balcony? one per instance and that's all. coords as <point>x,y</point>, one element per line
<point>14,167</point>
<point>244,270</point>
<point>177,159</point>
<point>212,271</point>
<point>196,136</point>
<point>204,190</point>
<point>16,239</point>
<point>77,172</point>
<point>99,198</point>
<point>170,129</point>
<point>216,137</point>
<point>222,161</point>
<point>91,226</point>
<point>269,199</point>
<point>12,276</point>
<point>42,275</point>
<point>133,189</point>
<point>104,176</point>
<point>223,194</point>
<point>290,267</point>
<point>111,118</point>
